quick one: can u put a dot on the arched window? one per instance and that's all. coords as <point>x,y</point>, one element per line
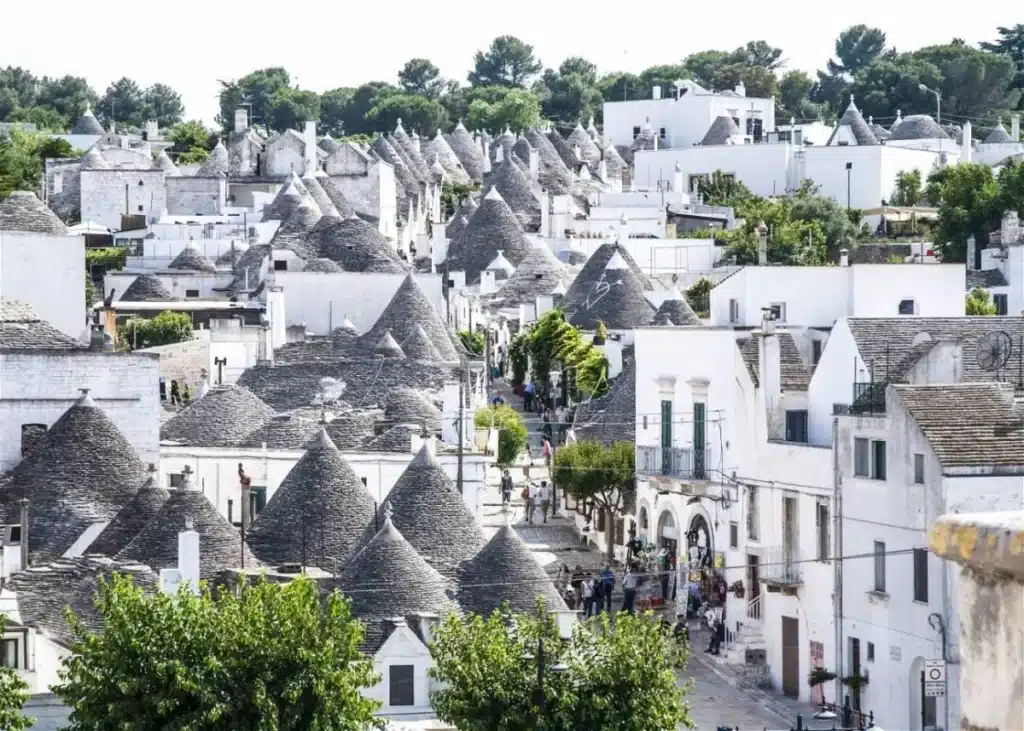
<point>643,519</point>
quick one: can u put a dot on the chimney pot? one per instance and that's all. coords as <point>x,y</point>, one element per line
<point>844,257</point>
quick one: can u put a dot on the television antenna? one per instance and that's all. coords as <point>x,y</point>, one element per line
<point>994,350</point>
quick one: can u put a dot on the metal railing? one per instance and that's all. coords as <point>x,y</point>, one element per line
<point>868,397</point>
<point>755,608</point>
<point>781,565</point>
<point>685,463</point>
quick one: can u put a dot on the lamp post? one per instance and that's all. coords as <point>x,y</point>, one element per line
<point>938,102</point>
<point>540,696</point>
<point>849,172</point>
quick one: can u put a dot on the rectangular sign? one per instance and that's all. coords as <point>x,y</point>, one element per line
<point>934,678</point>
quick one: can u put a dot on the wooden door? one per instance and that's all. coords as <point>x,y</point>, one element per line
<point>790,657</point>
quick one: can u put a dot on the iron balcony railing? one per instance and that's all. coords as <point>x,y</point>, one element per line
<point>685,463</point>
<point>781,565</point>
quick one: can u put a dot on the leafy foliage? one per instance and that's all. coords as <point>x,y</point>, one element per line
<point>164,329</point>
<point>507,62</point>
<point>420,76</point>
<point>908,188</point>
<point>512,434</point>
<point>111,258</point>
<point>979,302</point>
<point>126,103</point>
<point>474,342</point>
<point>598,476</point>
<point>270,657</point>
<point>614,681</point>
<point>719,189</point>
<point>452,196</point>
<point>554,342</point>
<point>416,111</point>
<point>191,142</point>
<point>699,296</point>
<point>970,203</point>
<point>22,159</point>
<point>13,695</point>
<point>519,357</point>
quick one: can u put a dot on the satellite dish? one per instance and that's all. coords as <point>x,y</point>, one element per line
<point>994,350</point>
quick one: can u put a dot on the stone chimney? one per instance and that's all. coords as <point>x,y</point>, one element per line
<point>762,244</point>
<point>188,556</point>
<point>972,248</point>
<point>1015,128</point>
<point>602,170</point>
<point>770,375</point>
<point>241,119</point>
<point>499,153</point>
<point>310,151</point>
<point>966,148</point>
<point>24,534</point>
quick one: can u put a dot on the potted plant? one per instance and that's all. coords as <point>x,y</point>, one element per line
<point>855,683</point>
<point>600,334</point>
<point>820,676</point>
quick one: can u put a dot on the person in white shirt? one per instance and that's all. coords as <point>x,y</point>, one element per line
<point>628,590</point>
<point>545,498</point>
<point>588,596</point>
<point>532,495</point>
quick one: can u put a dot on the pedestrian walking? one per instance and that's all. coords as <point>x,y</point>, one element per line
<point>506,487</point>
<point>545,449</point>
<point>528,393</point>
<point>628,590</point>
<point>545,498</point>
<point>532,493</point>
<point>598,595</point>
<point>587,587</point>
<point>608,585</point>
<point>576,582</point>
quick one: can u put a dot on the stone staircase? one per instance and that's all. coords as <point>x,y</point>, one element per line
<point>746,654</point>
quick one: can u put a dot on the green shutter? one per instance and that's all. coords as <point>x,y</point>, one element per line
<point>666,424</point>
<point>699,440</point>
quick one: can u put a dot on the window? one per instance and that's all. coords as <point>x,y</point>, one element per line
<point>280,265</point>
<point>929,717</point>
<point>877,459</point>
<point>755,128</point>
<point>815,352</point>
<point>645,421</point>
<point>259,500</point>
<point>666,424</point>
<point>401,686</point>
<point>734,311</point>
<point>231,511</point>
<point>861,457</point>
<point>193,293</point>
<point>908,307</point>
<point>636,132</point>
<point>176,480</point>
<point>661,133</point>
<point>796,426</point>
<point>9,653</point>
<point>140,209</point>
<point>699,440</point>
<point>752,517</point>
<point>823,527</point>
<point>921,575</point>
<point>880,567</point>
<point>778,310</point>
<point>871,652</point>
<point>918,469</point>
<point>999,300</point>
<point>734,535</point>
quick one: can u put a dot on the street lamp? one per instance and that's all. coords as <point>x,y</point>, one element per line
<point>540,697</point>
<point>938,102</point>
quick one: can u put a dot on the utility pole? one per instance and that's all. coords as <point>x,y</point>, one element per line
<point>459,426</point>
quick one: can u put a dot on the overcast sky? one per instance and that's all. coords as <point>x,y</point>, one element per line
<point>190,44</point>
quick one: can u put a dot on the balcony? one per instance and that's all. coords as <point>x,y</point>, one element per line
<point>683,463</point>
<point>780,567</point>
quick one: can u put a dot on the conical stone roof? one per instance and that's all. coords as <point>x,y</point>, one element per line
<point>412,152</point>
<point>860,130</point>
<point>293,233</point>
<point>523,149</point>
<point>433,516</point>
<point>355,245</point>
<point>164,162</point>
<point>593,270</point>
<point>723,130</point>
<point>420,175</point>
<point>553,175</point>
<point>23,211</point>
<point>411,406</point>
<point>232,255</point>
<point>291,430</point>
<point>563,149</point>
<point>407,188</point>
<point>918,127</point>
<point>322,265</point>
<point>93,160</point>
<point>217,165</point>
<point>83,472</point>
<point>387,347</point>
<point>445,155</point>
<point>492,228</point>
<point>389,579</point>
<point>616,299</point>
<point>589,151</point>
<point>222,417</point>
<point>616,166</point>
<point>514,187</point>
<point>676,311</point>
<point>87,124</point>
<point>418,346</point>
<point>132,518</point>
<point>337,197</point>
<point>536,276</point>
<point>320,515</point>
<point>998,136</point>
<point>505,570</point>
<point>468,152</point>
<point>220,543</point>
<point>397,439</point>
<point>146,288</point>
<point>328,144</point>
<point>458,223</point>
<point>409,307</point>
<point>286,202</point>
<point>317,192</point>
<point>192,259</point>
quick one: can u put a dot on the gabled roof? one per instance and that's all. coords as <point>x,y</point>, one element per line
<point>467,151</point>
<point>917,127</point>
<point>221,418</point>
<point>998,136</point>
<point>21,328</point>
<point>491,228</point>
<point>411,406</point>
<point>536,276</point>
<point>721,131</point>
<point>795,376</point>
<point>83,472</point>
<point>432,515</point>
<point>613,417</point>
<point>319,516</point>
<point>87,124</point>
<point>514,187</point>
<point>676,310</point>
<point>589,151</point>
<point>419,347</point>
<point>192,259</point>
<point>616,299</point>
<point>389,579</point>
<point>220,543</point>
<point>217,165</point>
<point>355,245</point>
<point>592,272</point>
<point>44,592</point>
<point>408,307</point>
<point>854,120</point>
<point>505,570</point>
<point>23,211</point>
<point>968,424</point>
<point>132,518</point>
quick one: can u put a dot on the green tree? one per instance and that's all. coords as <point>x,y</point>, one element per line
<point>979,302</point>
<point>452,196</point>
<point>191,142</point>
<point>856,48</point>
<point>568,95</point>
<point>44,118</point>
<point>699,296</point>
<point>507,62</point>
<point>791,241</point>
<point>973,83</point>
<point>420,76</point>
<point>794,90</point>
<point>512,434</point>
<point>417,112</point>
<point>22,83</point>
<point>21,166</point>
<point>579,66</point>
<point>66,95</point>
<point>619,86</point>
<point>291,108</point>
<point>665,76</point>
<point>1011,44</point>
<point>599,477</point>
<point>621,680</point>
<point>517,109</point>
<point>346,111</point>
<point>908,188</point>
<point>719,189</point>
<point>839,225</point>
<point>162,103</point>
<point>758,82</point>
<point>270,656</point>
<point>968,198</point>
<point>13,695</point>
<point>255,91</point>
<point>759,54</point>
<point>164,329</point>
<point>123,103</point>
<point>893,83</point>
<point>474,342</point>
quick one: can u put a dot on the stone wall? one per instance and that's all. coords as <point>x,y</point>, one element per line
<point>195,196</point>
<point>990,548</point>
<point>108,194</point>
<point>63,188</point>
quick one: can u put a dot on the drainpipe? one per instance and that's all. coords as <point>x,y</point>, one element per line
<point>24,534</point>
<point>837,564</point>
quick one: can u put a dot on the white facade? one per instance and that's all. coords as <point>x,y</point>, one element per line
<point>107,195</point>
<point>402,650</point>
<point>47,272</point>
<point>223,351</point>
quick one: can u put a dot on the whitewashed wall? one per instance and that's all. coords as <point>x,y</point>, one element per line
<point>47,272</point>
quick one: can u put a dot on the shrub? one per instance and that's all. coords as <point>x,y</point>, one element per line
<point>474,342</point>
<point>512,433</point>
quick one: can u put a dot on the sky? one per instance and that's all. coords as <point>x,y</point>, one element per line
<point>190,44</point>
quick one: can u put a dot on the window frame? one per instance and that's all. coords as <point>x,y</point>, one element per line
<point>918,468</point>
<point>878,460</point>
<point>879,577</point>
<point>823,526</point>
<point>1001,302</point>
<point>402,684</point>
<point>861,457</point>
<point>753,518</point>
<point>913,307</point>
<point>798,427</point>
<point>921,575</point>
<point>7,642</point>
<point>734,534</point>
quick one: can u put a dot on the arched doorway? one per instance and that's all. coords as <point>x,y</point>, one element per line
<point>643,520</point>
<point>668,535</point>
<point>700,548</point>
<point>668,551</point>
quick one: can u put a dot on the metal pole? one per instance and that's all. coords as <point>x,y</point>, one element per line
<point>938,108</point>
<point>462,405</point>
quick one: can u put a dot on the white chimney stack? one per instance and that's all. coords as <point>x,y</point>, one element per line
<point>844,257</point>
<point>439,244</point>
<point>656,92</point>
<point>499,153</point>
<point>770,367</point>
<point>241,119</point>
<point>545,214</point>
<point>534,166</point>
<point>741,89</point>
<point>310,155</point>
<point>602,170</point>
<point>1015,128</point>
<point>487,285</point>
<point>188,556</point>
<point>966,148</point>
<point>677,179</point>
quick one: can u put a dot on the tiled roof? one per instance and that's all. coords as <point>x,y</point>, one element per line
<point>192,259</point>
<point>593,270</point>
<point>616,299</point>
<point>146,288</point>
<point>515,190</point>
<point>409,307</point>
<point>389,579</point>
<point>432,515</point>
<point>536,276</point>
<point>83,472</point>
<point>220,543</point>
<point>492,228</point>
<point>320,515</point>
<point>968,424</point>
<point>467,151</point>
<point>795,376</point>
<point>676,311</point>
<point>985,278</point>
<point>87,124</point>
<point>355,245</point>
<point>505,570</point>
<point>217,165</point>
<point>21,328</point>
<point>918,127</point>
<point>224,416</point>
<point>23,211</point>
<point>853,119</point>
<point>43,592</point>
<point>721,131</point>
<point>411,406</point>
<point>589,151</point>
<point>132,518</point>
<point>613,417</point>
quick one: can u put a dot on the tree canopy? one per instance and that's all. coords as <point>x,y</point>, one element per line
<point>166,328</point>
<point>271,657</point>
<point>23,157</point>
<point>13,696</point>
<point>508,61</point>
